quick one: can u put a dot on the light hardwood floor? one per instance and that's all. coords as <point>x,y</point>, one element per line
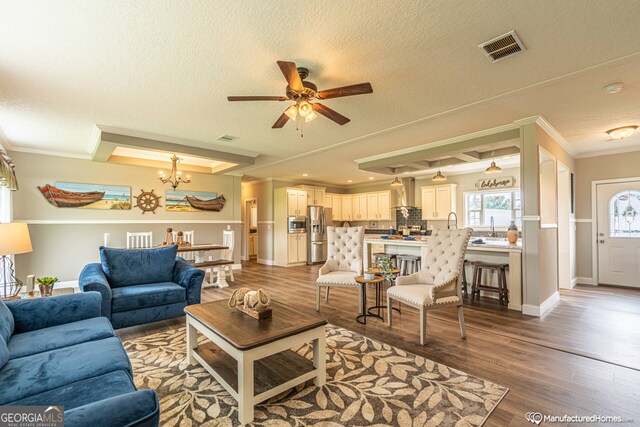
<point>581,358</point>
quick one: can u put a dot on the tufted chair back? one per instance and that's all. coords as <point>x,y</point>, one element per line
<point>345,248</point>
<point>444,255</point>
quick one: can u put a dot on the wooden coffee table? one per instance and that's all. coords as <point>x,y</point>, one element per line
<point>251,358</point>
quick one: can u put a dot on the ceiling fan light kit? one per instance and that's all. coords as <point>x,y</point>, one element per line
<point>622,132</point>
<point>302,93</point>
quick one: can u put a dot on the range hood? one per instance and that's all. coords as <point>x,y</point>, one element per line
<point>406,194</point>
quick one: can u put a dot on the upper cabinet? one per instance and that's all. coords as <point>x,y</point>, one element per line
<point>296,202</point>
<point>438,201</point>
<point>315,195</point>
<point>359,207</point>
<point>379,206</point>
<point>336,207</point>
<point>345,200</point>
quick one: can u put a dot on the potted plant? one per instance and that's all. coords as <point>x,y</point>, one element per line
<point>46,285</point>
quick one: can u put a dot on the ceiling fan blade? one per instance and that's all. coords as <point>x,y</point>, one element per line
<point>282,120</point>
<point>290,72</point>
<point>359,89</point>
<point>329,113</point>
<point>257,98</point>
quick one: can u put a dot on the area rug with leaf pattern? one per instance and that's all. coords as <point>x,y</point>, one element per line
<point>368,383</point>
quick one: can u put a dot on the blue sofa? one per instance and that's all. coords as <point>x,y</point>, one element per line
<point>59,351</point>
<point>142,285</point>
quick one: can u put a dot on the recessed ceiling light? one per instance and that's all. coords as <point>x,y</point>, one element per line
<point>349,180</point>
<point>305,174</point>
<point>613,87</point>
<point>371,178</point>
<point>622,132</point>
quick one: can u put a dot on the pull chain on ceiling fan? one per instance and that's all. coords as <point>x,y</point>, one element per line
<point>303,92</point>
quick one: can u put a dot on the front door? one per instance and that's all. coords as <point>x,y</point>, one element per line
<point>618,229</point>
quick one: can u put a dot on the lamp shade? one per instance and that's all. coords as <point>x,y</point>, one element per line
<point>14,238</point>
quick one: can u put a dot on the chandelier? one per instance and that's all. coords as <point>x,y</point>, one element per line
<point>175,177</point>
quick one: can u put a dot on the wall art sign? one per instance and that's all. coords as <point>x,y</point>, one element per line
<point>491,183</point>
<point>193,201</point>
<point>87,196</point>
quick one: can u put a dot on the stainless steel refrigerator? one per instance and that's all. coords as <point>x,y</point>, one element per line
<point>317,228</point>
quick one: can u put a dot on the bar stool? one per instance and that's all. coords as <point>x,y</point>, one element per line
<point>409,264</point>
<point>381,255</point>
<point>477,285</point>
<point>464,278</point>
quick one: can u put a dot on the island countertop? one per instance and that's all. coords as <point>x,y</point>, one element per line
<point>489,245</point>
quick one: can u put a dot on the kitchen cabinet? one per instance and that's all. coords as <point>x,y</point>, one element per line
<point>297,248</point>
<point>327,201</point>
<point>296,202</point>
<point>315,196</point>
<point>438,201</point>
<point>346,207</point>
<point>359,207</point>
<point>336,207</point>
<point>253,244</point>
<point>379,206</point>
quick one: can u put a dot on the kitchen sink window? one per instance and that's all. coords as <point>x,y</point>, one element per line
<point>503,206</point>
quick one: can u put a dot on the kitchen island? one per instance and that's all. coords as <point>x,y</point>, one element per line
<point>495,251</point>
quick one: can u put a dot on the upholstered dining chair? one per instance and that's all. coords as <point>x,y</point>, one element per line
<point>439,283</point>
<point>345,246</point>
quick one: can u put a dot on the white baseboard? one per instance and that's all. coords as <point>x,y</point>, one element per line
<point>539,310</point>
<point>266,261</point>
<point>236,266</point>
<point>585,280</point>
<point>573,283</point>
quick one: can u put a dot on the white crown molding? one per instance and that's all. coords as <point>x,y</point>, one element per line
<point>4,141</point>
<point>608,152</point>
<point>553,133</point>
<point>50,153</point>
<point>440,143</point>
<point>124,221</point>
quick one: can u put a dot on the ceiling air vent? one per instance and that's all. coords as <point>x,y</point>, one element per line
<point>502,47</point>
<point>227,138</point>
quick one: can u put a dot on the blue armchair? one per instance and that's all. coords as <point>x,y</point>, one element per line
<point>142,285</point>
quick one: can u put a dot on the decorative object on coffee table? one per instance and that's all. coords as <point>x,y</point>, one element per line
<point>256,304</point>
<point>147,201</point>
<point>14,240</point>
<point>46,285</point>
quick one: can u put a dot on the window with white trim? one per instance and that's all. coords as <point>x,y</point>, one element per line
<point>504,206</point>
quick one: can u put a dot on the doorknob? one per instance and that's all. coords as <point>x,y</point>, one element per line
<point>601,241</point>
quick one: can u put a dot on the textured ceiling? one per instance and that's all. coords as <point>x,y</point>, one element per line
<point>166,67</point>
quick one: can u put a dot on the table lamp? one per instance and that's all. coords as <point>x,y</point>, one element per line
<point>14,239</point>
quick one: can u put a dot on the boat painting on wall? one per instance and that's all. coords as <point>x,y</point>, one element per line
<point>193,201</point>
<point>87,196</point>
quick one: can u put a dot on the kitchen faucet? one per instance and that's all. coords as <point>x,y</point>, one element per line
<point>455,221</point>
<point>492,232</point>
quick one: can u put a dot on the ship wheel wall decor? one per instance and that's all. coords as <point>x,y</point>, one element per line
<point>147,201</point>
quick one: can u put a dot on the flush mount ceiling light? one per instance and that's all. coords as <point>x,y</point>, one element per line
<point>493,168</point>
<point>622,132</point>
<point>396,182</point>
<point>613,87</point>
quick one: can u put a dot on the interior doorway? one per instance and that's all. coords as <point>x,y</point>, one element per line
<point>251,220</point>
<point>617,207</point>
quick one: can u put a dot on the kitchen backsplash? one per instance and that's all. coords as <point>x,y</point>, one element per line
<point>414,218</point>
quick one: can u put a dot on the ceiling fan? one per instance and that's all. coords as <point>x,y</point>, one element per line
<point>302,93</point>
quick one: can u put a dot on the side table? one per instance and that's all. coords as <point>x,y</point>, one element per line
<point>377,281</point>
